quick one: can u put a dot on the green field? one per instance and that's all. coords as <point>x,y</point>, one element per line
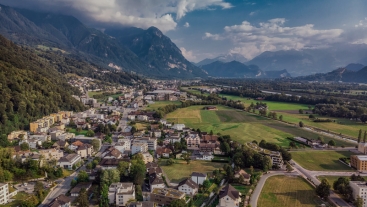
<point>331,179</point>
<point>290,114</point>
<point>243,189</point>
<point>322,160</point>
<point>284,191</point>
<point>158,104</point>
<point>180,170</point>
<point>243,127</point>
<point>82,132</point>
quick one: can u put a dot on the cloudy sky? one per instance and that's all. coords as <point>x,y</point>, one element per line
<point>207,28</point>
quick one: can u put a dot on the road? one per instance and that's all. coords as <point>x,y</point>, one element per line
<point>307,174</point>
<point>63,187</point>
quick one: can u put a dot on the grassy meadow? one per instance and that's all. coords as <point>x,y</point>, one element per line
<point>284,191</point>
<point>322,160</point>
<point>243,127</point>
<point>180,170</point>
<point>158,104</point>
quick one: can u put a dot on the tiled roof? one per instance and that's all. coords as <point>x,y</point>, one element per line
<point>229,191</point>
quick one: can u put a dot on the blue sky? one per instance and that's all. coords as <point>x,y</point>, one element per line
<point>207,28</point>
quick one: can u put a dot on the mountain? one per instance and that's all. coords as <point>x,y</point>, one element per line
<point>30,88</point>
<point>154,56</point>
<point>157,51</point>
<point>341,74</point>
<point>354,66</point>
<point>232,69</point>
<point>224,58</point>
<point>277,74</point>
<point>308,61</point>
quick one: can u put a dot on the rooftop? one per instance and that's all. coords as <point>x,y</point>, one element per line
<point>168,192</point>
<point>362,157</point>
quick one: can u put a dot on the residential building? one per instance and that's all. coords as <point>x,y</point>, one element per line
<point>246,177</point>
<point>68,161</point>
<point>207,147</point>
<point>17,135</point>
<point>178,127</point>
<point>139,147</point>
<point>4,191</point>
<point>60,201</point>
<point>151,142</point>
<point>188,186</point>
<point>193,140</point>
<point>156,181</point>
<point>229,197</point>
<point>76,190</point>
<point>147,157</point>
<point>142,204</point>
<point>362,147</point>
<point>359,162</point>
<point>198,178</point>
<point>163,152</point>
<point>86,150</point>
<point>120,193</point>
<point>164,196</point>
<point>112,153</point>
<point>359,189</point>
<point>106,164</point>
<point>60,144</point>
<point>56,134</point>
<point>51,154</point>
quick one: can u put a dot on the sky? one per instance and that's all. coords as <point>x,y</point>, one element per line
<point>208,28</point>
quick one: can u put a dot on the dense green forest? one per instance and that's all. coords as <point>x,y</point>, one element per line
<point>30,88</point>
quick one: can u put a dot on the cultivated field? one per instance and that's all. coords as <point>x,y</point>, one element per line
<point>180,170</point>
<point>243,127</point>
<point>322,160</point>
<point>158,104</point>
<point>284,191</point>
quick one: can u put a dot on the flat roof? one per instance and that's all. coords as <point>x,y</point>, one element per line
<point>362,157</point>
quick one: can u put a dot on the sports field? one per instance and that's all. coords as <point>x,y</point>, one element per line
<point>285,191</point>
<point>243,127</point>
<point>180,170</point>
<point>325,160</point>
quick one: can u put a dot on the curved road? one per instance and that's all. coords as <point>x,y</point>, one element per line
<point>307,174</point>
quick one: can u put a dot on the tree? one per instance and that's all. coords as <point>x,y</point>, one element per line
<point>342,186</point>
<point>137,171</point>
<point>356,178</point>
<point>266,163</point>
<point>300,111</point>
<point>82,199</point>
<point>96,144</point>
<point>133,130</point>
<point>47,145</point>
<point>331,143</point>
<point>83,176</point>
<point>206,185</point>
<point>358,202</point>
<point>281,117</point>
<point>24,146</point>
<point>90,133</point>
<point>323,190</point>
<point>170,161</point>
<point>224,147</point>
<point>292,145</point>
<point>289,167</point>
<point>138,193</point>
<point>178,203</point>
<point>38,190</point>
<point>123,168</point>
<point>187,157</point>
<point>301,124</point>
<point>211,132</point>
<point>30,201</point>
<point>104,201</point>
<point>110,176</point>
<point>359,135</point>
<point>365,137</point>
<point>311,116</point>
<point>321,139</point>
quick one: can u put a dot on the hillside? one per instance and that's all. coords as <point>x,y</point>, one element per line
<point>154,55</point>
<point>341,74</point>
<point>161,55</point>
<point>224,58</point>
<point>30,88</point>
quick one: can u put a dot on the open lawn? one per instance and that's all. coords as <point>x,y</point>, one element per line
<point>180,170</point>
<point>82,132</point>
<point>322,160</point>
<point>141,126</point>
<point>158,104</point>
<point>243,189</point>
<point>243,127</point>
<point>284,191</point>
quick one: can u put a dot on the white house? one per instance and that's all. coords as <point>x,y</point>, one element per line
<point>68,161</point>
<point>359,189</point>
<point>4,190</point>
<point>188,186</point>
<point>178,127</point>
<point>198,178</point>
<point>143,117</point>
<point>229,197</point>
<point>156,181</point>
<point>120,193</point>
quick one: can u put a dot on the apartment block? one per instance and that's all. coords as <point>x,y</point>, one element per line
<point>359,189</point>
<point>151,142</point>
<point>164,196</point>
<point>359,162</point>
<point>139,147</point>
<point>120,193</point>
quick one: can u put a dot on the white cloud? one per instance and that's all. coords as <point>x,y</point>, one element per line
<point>162,14</point>
<point>188,54</point>
<point>252,13</point>
<point>362,23</point>
<point>186,24</point>
<point>251,40</point>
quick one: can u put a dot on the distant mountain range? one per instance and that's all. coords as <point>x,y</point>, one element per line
<point>224,58</point>
<point>341,74</point>
<point>235,69</point>
<point>147,52</point>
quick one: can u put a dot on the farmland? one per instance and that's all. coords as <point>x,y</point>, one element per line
<point>322,160</point>
<point>243,127</point>
<point>180,170</point>
<point>282,191</point>
<point>158,104</point>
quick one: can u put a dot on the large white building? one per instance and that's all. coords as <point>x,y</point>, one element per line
<point>68,161</point>
<point>198,178</point>
<point>359,189</point>
<point>120,193</point>
<point>4,190</point>
<point>139,147</point>
<point>151,142</point>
